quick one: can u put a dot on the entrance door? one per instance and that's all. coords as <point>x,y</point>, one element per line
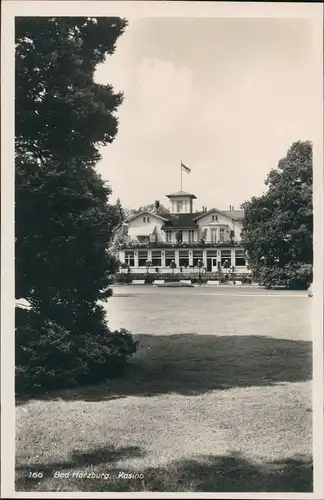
<point>214,265</point>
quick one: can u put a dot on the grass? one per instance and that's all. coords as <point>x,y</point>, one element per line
<point>193,413</point>
<point>211,310</point>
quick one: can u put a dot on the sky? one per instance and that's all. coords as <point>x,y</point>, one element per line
<point>225,96</point>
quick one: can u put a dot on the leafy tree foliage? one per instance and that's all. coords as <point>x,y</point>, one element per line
<point>61,112</point>
<point>120,210</point>
<point>63,227</point>
<point>64,221</point>
<point>278,226</point>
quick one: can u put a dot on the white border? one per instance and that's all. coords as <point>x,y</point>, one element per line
<point>133,9</point>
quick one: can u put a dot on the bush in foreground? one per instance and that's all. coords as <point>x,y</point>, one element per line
<point>48,356</point>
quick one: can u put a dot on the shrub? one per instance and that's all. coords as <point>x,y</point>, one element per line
<point>294,276</point>
<point>170,277</point>
<point>203,279</point>
<point>124,266</point>
<point>48,356</point>
<point>123,278</point>
<point>246,280</point>
<point>150,278</point>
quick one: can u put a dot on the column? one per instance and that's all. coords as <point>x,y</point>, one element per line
<point>177,257</point>
<point>163,258</point>
<point>190,258</point>
<point>233,257</point>
<point>205,258</point>
<point>136,258</point>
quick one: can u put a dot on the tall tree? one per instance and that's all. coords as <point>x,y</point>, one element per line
<point>64,221</point>
<point>120,210</point>
<point>278,226</point>
<point>61,112</point>
<point>63,218</point>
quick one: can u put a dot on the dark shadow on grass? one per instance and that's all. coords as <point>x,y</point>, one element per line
<point>191,364</point>
<point>232,473</point>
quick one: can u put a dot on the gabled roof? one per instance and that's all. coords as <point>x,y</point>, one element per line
<point>233,214</point>
<point>188,221</point>
<point>140,214</point>
<point>185,221</point>
<point>181,193</point>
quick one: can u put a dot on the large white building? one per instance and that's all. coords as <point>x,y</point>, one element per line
<point>185,237</point>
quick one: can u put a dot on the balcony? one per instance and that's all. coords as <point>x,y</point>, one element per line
<point>184,244</point>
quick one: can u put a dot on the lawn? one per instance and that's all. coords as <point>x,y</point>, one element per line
<point>193,413</point>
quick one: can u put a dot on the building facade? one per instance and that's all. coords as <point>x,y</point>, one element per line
<point>184,237</point>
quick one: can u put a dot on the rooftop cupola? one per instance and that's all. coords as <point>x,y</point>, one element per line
<point>181,202</point>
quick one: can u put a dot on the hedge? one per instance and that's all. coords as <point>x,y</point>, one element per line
<point>149,278</point>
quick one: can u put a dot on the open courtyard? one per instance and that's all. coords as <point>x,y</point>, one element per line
<point>217,398</point>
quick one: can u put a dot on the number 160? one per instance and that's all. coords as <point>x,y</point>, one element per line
<point>36,475</point>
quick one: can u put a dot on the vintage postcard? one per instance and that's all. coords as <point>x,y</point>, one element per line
<point>162,249</point>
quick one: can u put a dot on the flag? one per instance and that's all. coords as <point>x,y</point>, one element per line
<point>186,169</point>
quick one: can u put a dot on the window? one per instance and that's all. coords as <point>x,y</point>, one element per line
<point>183,258</point>
<point>222,234</point>
<point>197,255</point>
<point>142,258</point>
<point>143,239</point>
<point>129,258</point>
<point>214,235</point>
<point>179,206</point>
<point>214,218</point>
<point>179,236</point>
<point>156,258</point>
<point>191,235</point>
<point>225,256</point>
<point>169,257</point>
<point>240,258</point>
<point>168,236</point>
<point>144,219</point>
<point>211,253</point>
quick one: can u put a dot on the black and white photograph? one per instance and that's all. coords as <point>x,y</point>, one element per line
<point>165,321</point>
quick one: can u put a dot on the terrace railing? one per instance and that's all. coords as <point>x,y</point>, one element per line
<point>183,244</point>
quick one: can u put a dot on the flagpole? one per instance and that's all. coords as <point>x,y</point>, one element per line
<point>181,175</point>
